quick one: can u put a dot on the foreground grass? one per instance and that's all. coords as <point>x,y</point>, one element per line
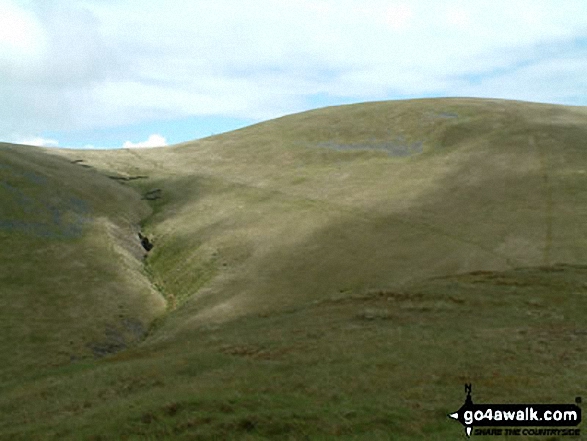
<point>387,365</point>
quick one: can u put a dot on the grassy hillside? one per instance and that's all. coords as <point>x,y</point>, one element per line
<point>71,275</point>
<point>335,273</point>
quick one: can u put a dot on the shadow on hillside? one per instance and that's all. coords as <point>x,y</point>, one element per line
<point>484,215</point>
<point>29,206</point>
<point>504,203</point>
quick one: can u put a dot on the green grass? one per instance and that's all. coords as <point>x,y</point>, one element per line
<point>70,267</point>
<point>339,273</point>
<point>388,363</point>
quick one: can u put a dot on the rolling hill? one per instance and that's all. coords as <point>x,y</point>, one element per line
<point>338,273</point>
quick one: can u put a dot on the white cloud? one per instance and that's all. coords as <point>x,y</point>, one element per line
<point>549,80</point>
<point>457,16</point>
<point>398,16</point>
<point>154,140</point>
<point>102,63</point>
<point>21,34</point>
<point>38,141</point>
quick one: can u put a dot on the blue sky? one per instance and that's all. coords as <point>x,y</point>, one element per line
<point>130,73</point>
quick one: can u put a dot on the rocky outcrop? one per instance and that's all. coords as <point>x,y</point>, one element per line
<point>152,195</point>
<point>145,242</point>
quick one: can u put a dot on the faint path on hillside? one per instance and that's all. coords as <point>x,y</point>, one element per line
<point>156,165</point>
<point>548,200</point>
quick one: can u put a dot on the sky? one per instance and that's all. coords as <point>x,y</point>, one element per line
<point>147,73</point>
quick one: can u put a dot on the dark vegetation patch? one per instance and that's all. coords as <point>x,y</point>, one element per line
<point>153,194</point>
<point>127,178</point>
<point>258,352</point>
<point>114,344</point>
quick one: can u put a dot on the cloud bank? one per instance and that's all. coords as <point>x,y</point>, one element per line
<point>74,65</point>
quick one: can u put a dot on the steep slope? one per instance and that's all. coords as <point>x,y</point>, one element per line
<point>71,276</point>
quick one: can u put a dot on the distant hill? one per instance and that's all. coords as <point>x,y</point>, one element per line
<point>347,244</point>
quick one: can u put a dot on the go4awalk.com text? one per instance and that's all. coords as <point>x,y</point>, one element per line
<point>518,419</point>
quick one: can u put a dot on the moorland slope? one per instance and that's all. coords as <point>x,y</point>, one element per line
<point>334,273</point>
